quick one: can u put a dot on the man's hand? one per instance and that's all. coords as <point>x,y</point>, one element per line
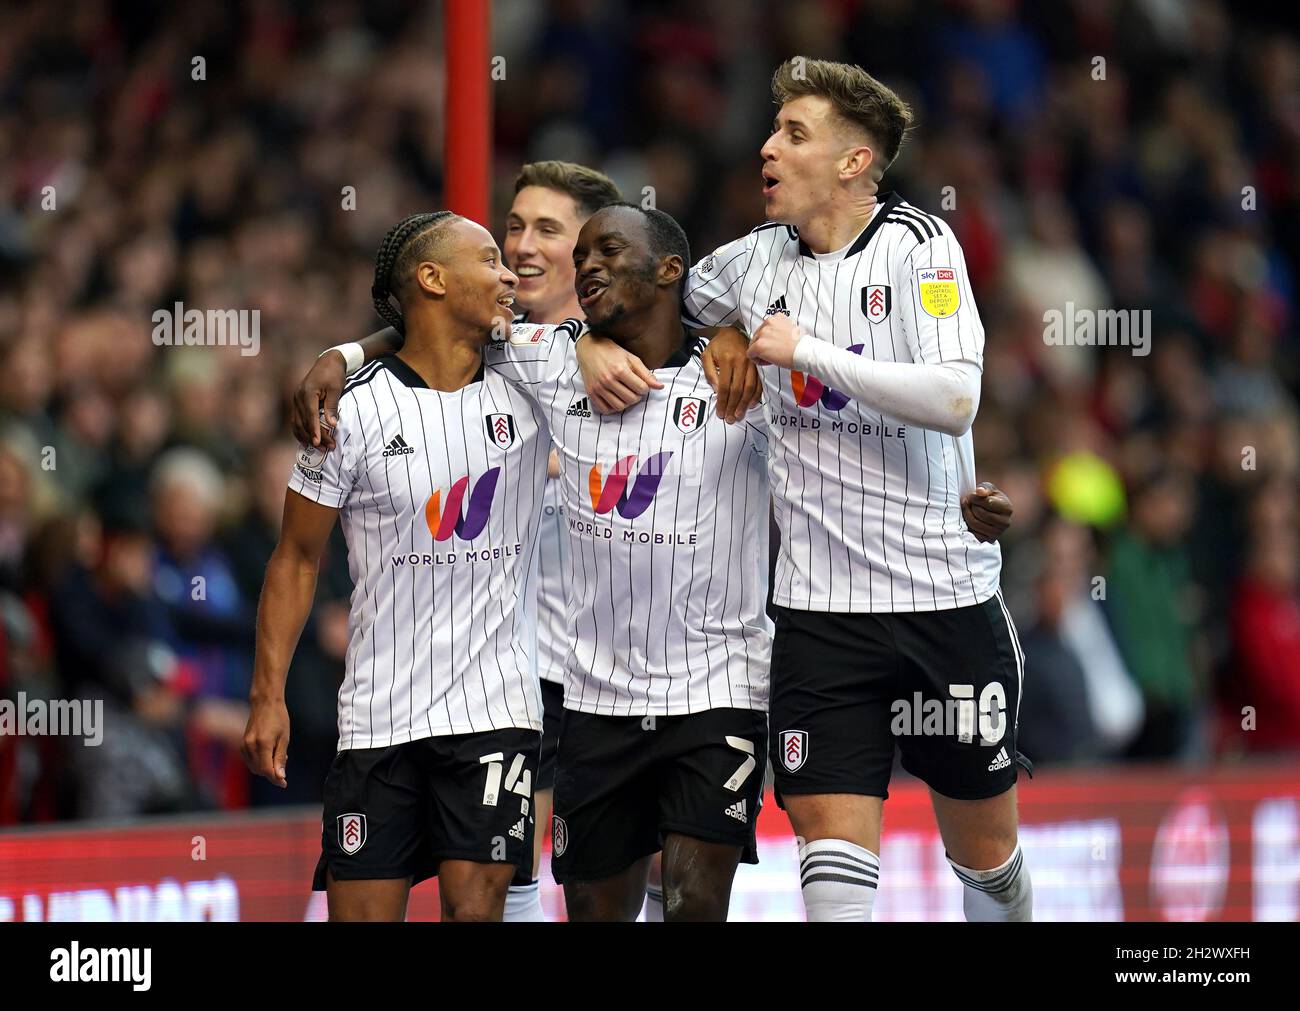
<point>266,740</point>
<point>615,379</point>
<point>732,375</point>
<point>987,511</point>
<point>320,389</point>
<point>775,340</point>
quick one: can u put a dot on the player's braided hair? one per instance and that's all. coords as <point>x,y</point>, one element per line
<point>395,243</point>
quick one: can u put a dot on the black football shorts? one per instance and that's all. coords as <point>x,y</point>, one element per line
<point>941,686</point>
<point>623,783</point>
<point>396,812</point>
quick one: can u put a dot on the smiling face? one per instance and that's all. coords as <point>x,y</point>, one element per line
<point>478,288</point>
<point>617,272</point>
<point>802,159</point>
<point>541,229</point>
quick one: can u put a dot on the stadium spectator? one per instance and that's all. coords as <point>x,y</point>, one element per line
<point>1266,630</point>
<point>112,643</point>
<point>1152,604</point>
<point>210,620</point>
<point>1083,705</point>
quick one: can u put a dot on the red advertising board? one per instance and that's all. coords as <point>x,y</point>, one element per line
<point>1150,845</point>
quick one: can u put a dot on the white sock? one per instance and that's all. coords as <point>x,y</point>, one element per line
<point>654,904</point>
<point>1001,895</point>
<point>839,881</point>
<point>524,904</point>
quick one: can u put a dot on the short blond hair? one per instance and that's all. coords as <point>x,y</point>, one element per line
<point>856,96</point>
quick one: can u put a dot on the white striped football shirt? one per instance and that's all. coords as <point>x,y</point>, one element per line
<point>553,637</point>
<point>666,511</point>
<point>553,634</point>
<point>869,508</point>
<point>439,497</point>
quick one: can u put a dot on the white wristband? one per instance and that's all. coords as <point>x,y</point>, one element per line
<point>353,355</point>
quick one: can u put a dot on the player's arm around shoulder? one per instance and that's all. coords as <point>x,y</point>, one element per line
<point>712,294</point>
<point>320,389</point>
<point>731,373</point>
<point>325,474</point>
<point>531,353</point>
<point>615,379</point>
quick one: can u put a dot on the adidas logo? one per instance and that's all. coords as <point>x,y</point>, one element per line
<point>580,408</point>
<point>777,306</point>
<point>739,811</point>
<point>1000,760</point>
<point>518,830</point>
<point>398,447</point>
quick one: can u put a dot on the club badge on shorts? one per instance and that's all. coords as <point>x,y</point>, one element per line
<point>501,430</point>
<point>688,412</point>
<point>559,836</point>
<point>794,749</point>
<point>352,832</point>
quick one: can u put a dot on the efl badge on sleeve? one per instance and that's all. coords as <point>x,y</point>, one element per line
<point>352,832</point>
<point>877,300</point>
<point>794,749</point>
<point>310,457</point>
<point>688,413</point>
<point>501,430</point>
<point>936,287</point>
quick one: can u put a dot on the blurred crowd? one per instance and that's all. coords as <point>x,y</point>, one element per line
<point>1112,154</point>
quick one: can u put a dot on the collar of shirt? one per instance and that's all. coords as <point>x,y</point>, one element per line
<point>886,203</point>
<point>682,356</point>
<point>412,379</point>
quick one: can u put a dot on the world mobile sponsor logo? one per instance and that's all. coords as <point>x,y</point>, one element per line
<point>619,491</point>
<point>445,518</point>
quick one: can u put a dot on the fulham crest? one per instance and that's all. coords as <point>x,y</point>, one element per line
<point>352,832</point>
<point>794,749</point>
<point>877,300</point>
<point>688,413</point>
<point>501,430</point>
